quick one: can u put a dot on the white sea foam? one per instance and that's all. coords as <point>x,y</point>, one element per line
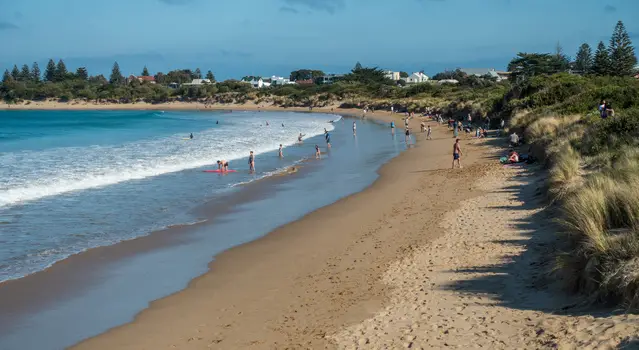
<point>32,175</point>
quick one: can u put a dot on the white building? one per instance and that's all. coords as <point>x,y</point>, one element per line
<point>392,75</point>
<point>275,80</point>
<point>416,78</point>
<point>259,83</point>
<point>198,82</point>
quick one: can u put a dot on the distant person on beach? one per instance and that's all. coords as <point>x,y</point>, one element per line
<point>281,155</point>
<point>354,128</point>
<point>217,122</point>
<point>392,125</point>
<point>299,138</point>
<point>514,139</point>
<point>223,165</point>
<point>282,124</point>
<point>392,109</point>
<point>428,134</point>
<point>191,136</point>
<point>327,136</point>
<point>455,130</point>
<point>318,154</point>
<point>267,124</point>
<point>251,162</point>
<point>407,136</point>
<point>457,153</point>
<point>422,126</point>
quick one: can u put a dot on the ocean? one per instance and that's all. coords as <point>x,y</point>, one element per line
<point>71,181</point>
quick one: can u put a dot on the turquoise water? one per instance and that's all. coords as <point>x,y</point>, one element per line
<point>70,181</point>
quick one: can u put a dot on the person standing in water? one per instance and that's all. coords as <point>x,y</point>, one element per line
<point>354,128</point>
<point>392,125</point>
<point>299,138</point>
<point>318,154</point>
<point>407,136</point>
<point>457,153</point>
<point>251,162</point>
<point>327,136</point>
<point>428,133</point>
<point>281,154</point>
<point>191,136</point>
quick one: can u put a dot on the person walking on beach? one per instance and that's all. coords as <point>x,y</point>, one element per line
<point>428,133</point>
<point>457,153</point>
<point>318,154</point>
<point>251,162</point>
<point>281,155</point>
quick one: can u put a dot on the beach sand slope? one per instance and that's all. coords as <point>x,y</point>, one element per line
<point>484,284</point>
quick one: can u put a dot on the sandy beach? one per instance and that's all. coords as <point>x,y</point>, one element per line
<point>427,257</point>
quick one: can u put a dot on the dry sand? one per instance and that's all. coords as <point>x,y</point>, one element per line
<point>426,257</point>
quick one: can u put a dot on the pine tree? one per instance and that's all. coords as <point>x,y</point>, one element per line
<point>622,54</point>
<point>358,66</point>
<point>15,73</point>
<point>60,71</point>
<point>198,73</point>
<point>601,63</point>
<point>210,76</point>
<point>116,77</point>
<point>583,61</point>
<point>145,72</point>
<point>82,73</point>
<point>25,73</point>
<point>6,77</point>
<point>35,72</point>
<point>49,73</point>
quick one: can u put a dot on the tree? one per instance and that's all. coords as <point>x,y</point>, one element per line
<point>49,73</point>
<point>116,77</point>
<point>584,60</point>
<point>6,77</point>
<point>403,75</point>
<point>527,65</point>
<point>561,62</point>
<point>15,73</point>
<point>601,62</point>
<point>60,71</point>
<point>25,73</point>
<point>145,72</point>
<point>210,76</point>
<point>622,54</point>
<point>306,74</point>
<point>82,73</point>
<point>35,72</point>
<point>358,66</point>
<point>198,73</point>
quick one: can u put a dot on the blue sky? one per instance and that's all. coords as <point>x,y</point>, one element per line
<point>234,38</point>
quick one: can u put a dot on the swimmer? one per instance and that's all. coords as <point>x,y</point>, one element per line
<point>299,138</point>
<point>191,136</point>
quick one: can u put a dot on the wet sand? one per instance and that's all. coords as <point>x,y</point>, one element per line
<point>307,280</point>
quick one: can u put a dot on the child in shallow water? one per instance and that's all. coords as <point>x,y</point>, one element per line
<point>318,154</point>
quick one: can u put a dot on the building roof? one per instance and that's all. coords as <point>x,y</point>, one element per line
<point>480,71</point>
<point>147,78</point>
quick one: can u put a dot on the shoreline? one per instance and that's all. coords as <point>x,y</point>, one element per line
<point>245,298</point>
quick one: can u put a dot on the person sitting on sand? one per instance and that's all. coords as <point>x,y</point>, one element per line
<point>457,153</point>
<point>222,165</point>
<point>513,157</point>
<point>318,154</point>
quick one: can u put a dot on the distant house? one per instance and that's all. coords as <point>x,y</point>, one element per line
<point>141,79</point>
<point>330,78</point>
<point>275,80</point>
<point>389,74</point>
<point>304,82</point>
<point>480,72</point>
<point>416,78</point>
<point>197,82</point>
